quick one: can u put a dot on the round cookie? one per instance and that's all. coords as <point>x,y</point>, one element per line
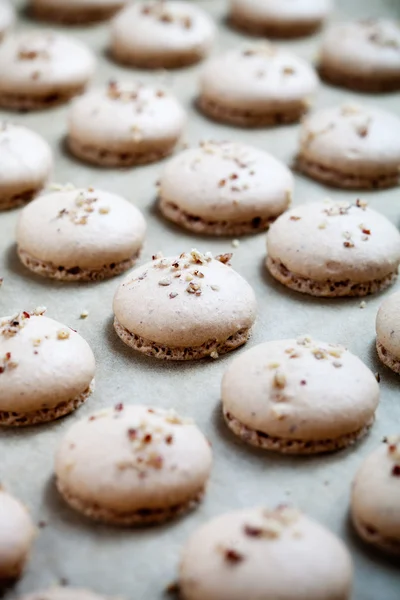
<point>46,369</point>
<point>333,249</point>
<point>125,124</point>
<point>184,308</point>
<point>263,553</point>
<point>17,534</point>
<point>299,396</point>
<point>351,146</point>
<point>155,35</point>
<point>75,11</point>
<point>25,164</point>
<point>63,593</point>
<point>257,85</point>
<point>388,332</point>
<point>40,69</point>
<point>375,498</point>
<point>224,188</point>
<point>133,465</point>
<point>279,18</point>
<point>7,17</point>
<point>80,235</point>
<point>367,57</point>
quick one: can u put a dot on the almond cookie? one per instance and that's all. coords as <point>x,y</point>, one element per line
<point>299,396</point>
<point>333,249</point>
<point>257,85</point>
<point>7,17</point>
<point>80,235</point>
<point>75,11</point>
<point>225,188</point>
<point>40,69</point>
<point>375,497</point>
<point>125,124</point>
<point>133,465</point>
<point>155,35</point>
<point>46,369</point>
<point>265,553</point>
<point>388,332</point>
<point>185,307</point>
<point>367,57</point>
<point>342,146</point>
<point>17,534</point>
<point>279,18</point>
<point>25,164</point>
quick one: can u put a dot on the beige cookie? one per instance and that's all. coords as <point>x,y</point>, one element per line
<point>388,332</point>
<point>17,534</point>
<point>80,235</point>
<point>185,307</point>
<point>132,465</point>
<point>75,11</point>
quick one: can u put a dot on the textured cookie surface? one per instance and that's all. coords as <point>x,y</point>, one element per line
<point>75,11</point>
<point>388,332</point>
<point>17,533</point>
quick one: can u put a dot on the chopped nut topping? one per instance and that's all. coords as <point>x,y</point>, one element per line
<point>252,531</point>
<point>84,314</point>
<point>198,274</point>
<point>7,363</point>
<point>363,304</point>
<point>104,210</point>
<point>337,364</point>
<point>294,218</point>
<point>215,288</point>
<point>224,258</point>
<point>214,355</point>
<point>63,334</point>
<point>396,471</point>
<point>157,256</point>
<point>361,204</point>
<point>233,556</point>
<point>173,295</point>
<point>194,288</point>
<point>165,282</point>
<point>348,244</point>
<point>288,71</point>
<point>279,380</point>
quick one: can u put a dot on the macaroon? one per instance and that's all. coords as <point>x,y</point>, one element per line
<point>388,332</point>
<point>156,35</point>
<point>351,146</point>
<point>46,369</point>
<point>25,164</point>
<point>40,69</point>
<point>125,124</point>
<point>333,249</point>
<point>299,396</point>
<point>75,12</point>
<point>17,535</point>
<point>81,234</point>
<point>185,307</point>
<point>133,465</point>
<point>265,553</point>
<point>224,188</point>
<point>375,497</point>
<point>256,85</point>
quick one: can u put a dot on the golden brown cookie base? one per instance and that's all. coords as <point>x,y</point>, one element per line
<point>10,202</point>
<point>328,288</point>
<point>22,102</point>
<point>48,269</point>
<point>180,353</point>
<point>14,419</point>
<point>199,225</point>
<point>292,446</point>
<point>336,178</point>
<point>372,536</point>
<point>246,118</point>
<point>162,61</point>
<point>387,358</point>
<point>74,15</point>
<point>376,83</point>
<point>104,157</point>
<point>274,30</point>
<point>138,517</point>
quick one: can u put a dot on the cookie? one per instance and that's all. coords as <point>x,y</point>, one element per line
<point>156,35</point>
<point>125,124</point>
<point>75,12</point>
<point>224,188</point>
<point>375,497</point>
<point>279,18</point>
<point>133,465</point>
<point>63,593</point>
<point>17,534</point>
<point>256,85</point>
<point>7,17</point>
<point>80,235</point>
<point>184,308</point>
<point>333,249</point>
<point>388,332</point>
<point>25,164</point>
<point>367,57</point>
<point>46,369</point>
<point>351,146</point>
<point>299,396</point>
<point>40,69</point>
<point>265,553</point>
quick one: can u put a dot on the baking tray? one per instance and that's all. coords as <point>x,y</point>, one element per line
<point>139,564</point>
